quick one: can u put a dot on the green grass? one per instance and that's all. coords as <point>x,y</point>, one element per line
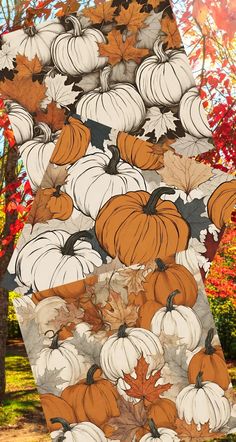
<point>21,394</point>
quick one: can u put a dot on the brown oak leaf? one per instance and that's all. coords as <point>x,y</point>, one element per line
<point>230,394</point>
<point>184,173</point>
<point>103,12</point>
<point>142,387</point>
<point>26,92</point>
<point>190,433</point>
<point>26,67</point>
<point>169,27</point>
<point>39,212</point>
<point>116,312</point>
<point>131,422</point>
<point>53,116</point>
<point>54,176</point>
<point>116,49</point>
<point>132,17</point>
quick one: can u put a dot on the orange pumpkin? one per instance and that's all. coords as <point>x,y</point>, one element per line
<point>163,412</point>
<point>168,277</point>
<point>54,406</point>
<point>93,399</point>
<point>71,292</point>
<point>221,203</point>
<point>72,142</point>
<point>146,313</point>
<point>210,361</point>
<point>59,203</point>
<point>141,153</point>
<point>137,227</point>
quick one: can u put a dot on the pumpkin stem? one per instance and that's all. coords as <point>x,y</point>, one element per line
<point>198,383</point>
<point>54,337</point>
<point>76,24</point>
<point>150,207</point>
<point>43,129</point>
<point>30,31</point>
<point>159,51</point>
<point>209,349</point>
<point>111,168</point>
<point>59,420</point>
<point>161,266</point>
<point>121,332</point>
<point>104,78</point>
<point>68,248</point>
<point>57,192</point>
<point>91,371</point>
<point>154,431</point>
<point>170,300</point>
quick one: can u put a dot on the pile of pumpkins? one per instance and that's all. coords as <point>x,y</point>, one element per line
<point>81,411</point>
<point>163,79</point>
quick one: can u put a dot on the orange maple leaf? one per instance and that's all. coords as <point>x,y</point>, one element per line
<point>26,67</point>
<point>132,17</point>
<point>155,3</point>
<point>117,50</point>
<point>190,431</point>
<point>169,27</point>
<point>104,12</point>
<point>143,388</point>
<point>53,116</point>
<point>70,7</point>
<point>25,91</point>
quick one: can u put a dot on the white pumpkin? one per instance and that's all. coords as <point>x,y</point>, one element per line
<point>163,78</point>
<point>202,403</point>
<point>64,357</point>
<point>83,432</point>
<point>37,152</point>
<point>193,115</point>
<point>77,52</point>
<point>46,310</point>
<point>178,321</point>
<point>21,121</point>
<point>96,178</point>
<point>35,40</point>
<point>159,434</point>
<point>121,351</point>
<point>119,106</point>
<point>54,258</point>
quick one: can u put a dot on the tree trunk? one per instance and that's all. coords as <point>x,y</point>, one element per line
<point>10,175</point>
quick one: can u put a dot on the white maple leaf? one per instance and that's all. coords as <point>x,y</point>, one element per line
<point>58,92</point>
<point>159,122</point>
<point>124,72</point>
<point>7,55</point>
<point>89,82</point>
<point>148,35</point>
<point>191,146</point>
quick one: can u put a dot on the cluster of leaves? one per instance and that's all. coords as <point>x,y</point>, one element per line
<point>208,32</point>
<point>15,197</point>
<point>220,287</point>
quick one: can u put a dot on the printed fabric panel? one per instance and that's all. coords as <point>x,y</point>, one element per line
<point>124,202</point>
<point>129,355</point>
<point>119,63</point>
